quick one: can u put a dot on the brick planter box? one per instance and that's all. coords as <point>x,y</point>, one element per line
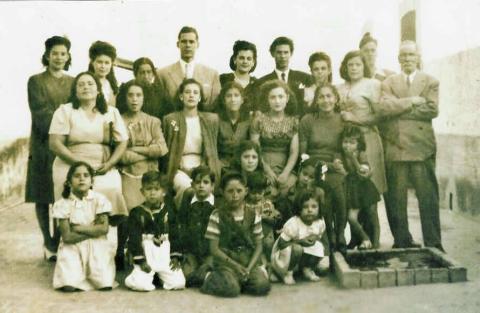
<point>396,267</point>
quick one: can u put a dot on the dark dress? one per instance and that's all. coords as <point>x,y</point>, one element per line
<point>45,94</point>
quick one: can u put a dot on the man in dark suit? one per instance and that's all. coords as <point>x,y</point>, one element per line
<point>281,50</point>
<point>171,76</point>
<point>409,103</point>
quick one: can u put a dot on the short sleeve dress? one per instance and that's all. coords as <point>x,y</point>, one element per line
<point>296,229</point>
<point>88,264</point>
<point>275,139</point>
<point>89,139</point>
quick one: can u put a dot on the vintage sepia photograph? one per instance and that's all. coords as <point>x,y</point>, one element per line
<point>239,156</point>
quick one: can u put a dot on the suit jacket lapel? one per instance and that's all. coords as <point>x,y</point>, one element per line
<point>176,73</point>
<point>400,86</point>
<point>418,84</point>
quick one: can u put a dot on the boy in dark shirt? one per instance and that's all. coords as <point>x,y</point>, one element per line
<point>153,238</point>
<point>193,216</point>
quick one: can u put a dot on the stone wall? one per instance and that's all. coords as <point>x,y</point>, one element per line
<point>458,131</point>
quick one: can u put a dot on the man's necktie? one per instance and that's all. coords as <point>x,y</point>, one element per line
<point>186,71</point>
<point>408,81</point>
<point>283,77</point>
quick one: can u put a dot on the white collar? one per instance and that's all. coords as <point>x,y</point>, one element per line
<point>88,196</point>
<point>159,209</point>
<point>191,67</point>
<point>210,199</point>
<point>279,74</point>
<point>411,76</point>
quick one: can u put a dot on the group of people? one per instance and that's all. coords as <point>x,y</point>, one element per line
<point>226,182</point>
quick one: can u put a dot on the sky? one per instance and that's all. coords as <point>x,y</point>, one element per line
<point>146,28</point>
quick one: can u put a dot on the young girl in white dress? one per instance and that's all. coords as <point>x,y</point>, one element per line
<point>85,258</point>
<point>299,247</point>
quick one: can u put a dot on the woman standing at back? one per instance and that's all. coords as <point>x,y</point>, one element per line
<point>46,91</point>
<point>102,55</point>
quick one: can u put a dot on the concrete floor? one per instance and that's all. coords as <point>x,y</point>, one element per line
<point>26,281</point>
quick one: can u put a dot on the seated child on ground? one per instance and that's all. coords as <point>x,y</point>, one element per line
<point>235,235</point>
<point>193,215</point>
<point>85,258</point>
<point>305,181</point>
<point>299,246</point>
<point>257,185</point>
<point>362,195</point>
<point>151,230</point>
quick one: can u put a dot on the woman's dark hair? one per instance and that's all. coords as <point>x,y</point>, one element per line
<point>344,67</point>
<point>281,41</point>
<point>100,102</point>
<point>265,88</point>
<point>181,88</point>
<point>243,146</point>
<point>321,56</point>
<point>141,61</point>
<point>317,95</point>
<point>367,37</point>
<point>301,197</point>
<point>66,186</point>
<point>151,177</point>
<point>57,41</point>
<point>99,48</point>
<point>122,97</point>
<point>222,109</point>
<point>352,131</point>
<point>233,175</point>
<point>242,45</point>
<point>257,182</point>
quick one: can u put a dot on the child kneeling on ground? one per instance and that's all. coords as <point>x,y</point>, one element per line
<point>85,256</point>
<point>151,228</point>
<point>235,235</point>
<point>299,246</point>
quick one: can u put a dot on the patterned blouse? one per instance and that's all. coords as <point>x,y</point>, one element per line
<point>275,136</point>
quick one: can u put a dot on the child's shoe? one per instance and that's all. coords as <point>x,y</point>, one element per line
<point>288,279</point>
<point>273,278</point>
<point>309,274</point>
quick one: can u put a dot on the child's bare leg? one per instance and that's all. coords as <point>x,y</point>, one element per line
<point>356,228</point>
<point>372,225</point>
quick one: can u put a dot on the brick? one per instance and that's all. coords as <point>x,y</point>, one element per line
<point>439,275</point>
<point>405,277</point>
<point>369,279</point>
<point>386,277</point>
<point>347,277</point>
<point>457,274</point>
<point>423,276</point>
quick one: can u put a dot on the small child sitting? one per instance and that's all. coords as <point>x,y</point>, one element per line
<point>257,185</point>
<point>235,235</point>
<point>299,246</point>
<point>151,229</point>
<point>193,215</point>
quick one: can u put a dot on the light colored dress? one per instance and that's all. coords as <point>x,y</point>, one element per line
<point>88,264</point>
<point>295,229</point>
<point>89,140</point>
<point>144,131</point>
<point>360,99</point>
